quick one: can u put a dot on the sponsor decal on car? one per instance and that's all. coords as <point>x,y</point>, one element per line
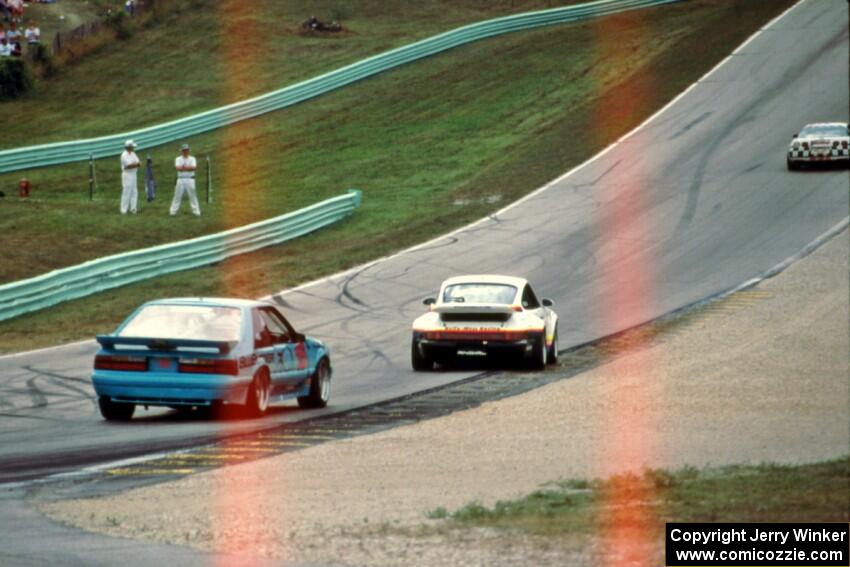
<point>301,355</point>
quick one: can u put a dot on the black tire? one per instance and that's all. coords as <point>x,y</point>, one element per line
<point>320,387</point>
<point>259,393</point>
<point>216,410</point>
<point>113,411</point>
<point>420,362</point>
<point>539,354</point>
<point>553,350</point>
<point>792,165</point>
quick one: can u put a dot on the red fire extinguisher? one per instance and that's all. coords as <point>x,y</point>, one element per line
<point>23,188</point>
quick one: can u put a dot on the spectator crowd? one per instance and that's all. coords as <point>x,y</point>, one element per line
<point>12,38</point>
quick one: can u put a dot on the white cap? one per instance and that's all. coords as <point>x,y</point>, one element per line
<point>129,144</point>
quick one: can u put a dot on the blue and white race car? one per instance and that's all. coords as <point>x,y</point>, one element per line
<point>206,353</point>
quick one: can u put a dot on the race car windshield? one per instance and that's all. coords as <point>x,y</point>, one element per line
<point>479,293</point>
<point>825,131</point>
<point>185,322</point>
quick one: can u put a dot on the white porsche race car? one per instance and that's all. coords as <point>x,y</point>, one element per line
<point>485,315</point>
<point>819,143</point>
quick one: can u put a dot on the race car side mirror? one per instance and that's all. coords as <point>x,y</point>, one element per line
<point>547,302</point>
<point>429,301</point>
<point>299,337</point>
<point>794,136</point>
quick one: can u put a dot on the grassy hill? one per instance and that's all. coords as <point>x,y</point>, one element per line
<point>432,145</point>
<point>200,54</point>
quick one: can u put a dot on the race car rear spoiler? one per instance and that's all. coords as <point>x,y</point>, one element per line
<point>109,341</point>
<point>464,308</point>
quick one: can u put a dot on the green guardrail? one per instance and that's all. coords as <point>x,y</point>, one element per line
<point>79,150</point>
<point>30,295</point>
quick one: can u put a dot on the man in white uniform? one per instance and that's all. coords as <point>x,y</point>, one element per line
<point>129,187</point>
<point>185,166</point>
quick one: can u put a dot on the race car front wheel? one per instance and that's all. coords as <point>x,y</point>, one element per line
<point>112,411</point>
<point>419,361</point>
<point>553,349</point>
<point>792,165</point>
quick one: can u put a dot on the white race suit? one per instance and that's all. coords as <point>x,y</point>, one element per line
<point>185,183</point>
<point>129,186</point>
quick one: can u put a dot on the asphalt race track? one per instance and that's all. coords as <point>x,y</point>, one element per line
<point>700,195</point>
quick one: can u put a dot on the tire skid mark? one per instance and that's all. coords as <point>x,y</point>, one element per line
<point>277,298</point>
<point>345,293</point>
<point>687,127</point>
<point>62,381</point>
<point>56,404</point>
<point>443,243</point>
<point>56,375</point>
<point>25,392</point>
<point>36,394</point>
<point>35,417</point>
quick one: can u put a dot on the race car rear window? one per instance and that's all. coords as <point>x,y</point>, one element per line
<point>185,322</point>
<point>479,293</point>
<point>838,131</point>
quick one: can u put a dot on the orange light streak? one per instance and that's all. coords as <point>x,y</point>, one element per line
<point>242,528</point>
<point>628,527</point>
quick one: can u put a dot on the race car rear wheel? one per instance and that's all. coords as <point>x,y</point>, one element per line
<point>419,361</point>
<point>539,354</point>
<point>553,349</point>
<point>112,411</point>
<point>259,395</point>
<point>320,387</point>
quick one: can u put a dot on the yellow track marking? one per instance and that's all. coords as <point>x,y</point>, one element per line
<point>133,471</point>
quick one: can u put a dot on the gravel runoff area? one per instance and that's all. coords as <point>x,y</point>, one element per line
<point>762,376</point>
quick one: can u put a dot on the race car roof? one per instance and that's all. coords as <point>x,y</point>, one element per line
<point>830,124</point>
<point>211,301</point>
<point>487,278</point>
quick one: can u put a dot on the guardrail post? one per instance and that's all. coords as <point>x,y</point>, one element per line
<point>91,177</point>
<point>209,182</point>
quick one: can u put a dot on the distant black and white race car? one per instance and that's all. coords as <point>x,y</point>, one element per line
<point>485,315</point>
<point>819,143</point>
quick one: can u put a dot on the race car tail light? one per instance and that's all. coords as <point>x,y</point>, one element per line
<point>515,335</point>
<point>805,145</point>
<point>517,308</point>
<point>208,366</point>
<point>112,362</point>
<point>476,335</point>
<point>835,145</point>
<point>844,144</point>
